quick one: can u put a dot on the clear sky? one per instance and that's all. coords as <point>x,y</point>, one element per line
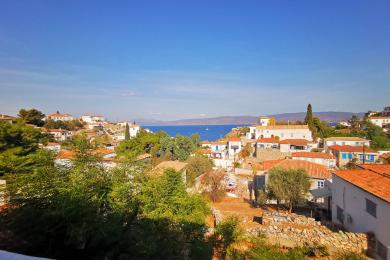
<point>185,59</point>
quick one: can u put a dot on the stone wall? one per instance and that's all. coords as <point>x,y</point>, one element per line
<point>301,230</point>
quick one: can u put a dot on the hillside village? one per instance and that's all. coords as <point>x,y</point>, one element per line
<point>345,207</point>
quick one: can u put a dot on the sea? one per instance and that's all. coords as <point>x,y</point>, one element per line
<point>206,132</point>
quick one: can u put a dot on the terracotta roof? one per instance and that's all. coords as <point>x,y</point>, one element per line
<point>314,170</point>
<point>6,117</point>
<point>234,139</point>
<point>294,141</point>
<point>379,117</point>
<point>103,151</point>
<point>313,155</point>
<point>383,169</point>
<point>346,138</point>
<point>385,156</point>
<point>267,140</point>
<point>59,115</point>
<point>352,149</point>
<point>283,127</point>
<point>57,130</point>
<point>370,181</point>
<point>66,154</point>
<point>52,143</point>
<point>176,165</point>
<point>266,165</point>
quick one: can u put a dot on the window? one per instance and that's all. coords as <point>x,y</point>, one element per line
<point>320,184</point>
<point>371,208</point>
<point>340,214</point>
<point>344,155</point>
<point>361,157</point>
<point>350,156</point>
<point>343,143</point>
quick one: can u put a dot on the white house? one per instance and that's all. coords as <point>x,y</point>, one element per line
<point>325,159</point>
<point>361,203</point>
<point>92,119</point>
<point>217,149</point>
<point>281,132</point>
<point>296,145</point>
<point>52,146</point>
<point>352,141</point>
<point>60,134</point>
<point>380,121</point>
<point>234,146</point>
<point>60,117</point>
<point>267,143</point>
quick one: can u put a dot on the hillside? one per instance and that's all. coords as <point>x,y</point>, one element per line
<point>329,116</point>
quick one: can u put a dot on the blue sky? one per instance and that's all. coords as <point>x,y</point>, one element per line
<point>188,59</point>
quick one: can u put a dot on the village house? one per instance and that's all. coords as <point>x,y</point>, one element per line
<point>234,146</point>
<point>352,141</point>
<point>296,145</point>
<point>380,121</point>
<point>8,119</point>
<point>346,153</point>
<point>119,131</point>
<point>325,159</point>
<point>178,166</point>
<point>60,117</point>
<point>361,203</point>
<point>60,134</point>
<point>65,157</point>
<point>52,146</point>
<point>92,119</point>
<point>215,150</point>
<point>280,132</point>
<point>318,173</point>
<point>267,143</point>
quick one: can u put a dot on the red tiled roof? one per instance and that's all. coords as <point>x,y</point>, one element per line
<point>266,165</point>
<point>299,142</point>
<point>267,140</point>
<point>66,154</point>
<point>370,181</point>
<point>379,117</point>
<point>314,170</point>
<point>234,139</point>
<point>6,117</point>
<point>385,156</point>
<point>383,169</point>
<point>59,115</point>
<point>349,148</point>
<point>313,155</point>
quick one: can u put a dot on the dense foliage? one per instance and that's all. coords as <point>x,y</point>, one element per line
<point>19,148</point>
<point>32,116</point>
<point>67,125</point>
<point>197,165</point>
<point>288,185</point>
<point>159,144</point>
<point>89,212</point>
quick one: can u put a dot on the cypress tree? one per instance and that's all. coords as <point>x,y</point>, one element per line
<point>127,133</point>
<point>310,122</point>
<point>309,115</point>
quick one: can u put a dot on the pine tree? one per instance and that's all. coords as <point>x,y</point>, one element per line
<point>127,133</point>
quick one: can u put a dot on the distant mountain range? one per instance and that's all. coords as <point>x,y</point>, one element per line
<point>330,116</point>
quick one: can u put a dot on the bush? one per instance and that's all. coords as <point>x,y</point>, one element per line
<point>345,255</point>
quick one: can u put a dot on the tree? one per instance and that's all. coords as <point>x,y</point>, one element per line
<point>288,185</point>
<point>214,181</point>
<point>355,123</point>
<point>32,116</point>
<point>309,120</point>
<point>246,151</point>
<point>127,133</point>
<point>197,165</point>
<point>19,148</point>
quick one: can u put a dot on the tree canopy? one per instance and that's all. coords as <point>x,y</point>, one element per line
<point>288,185</point>
<point>32,116</point>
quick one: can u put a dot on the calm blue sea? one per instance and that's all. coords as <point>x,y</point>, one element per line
<point>207,132</point>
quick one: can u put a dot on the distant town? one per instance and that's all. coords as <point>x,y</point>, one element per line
<point>300,183</point>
